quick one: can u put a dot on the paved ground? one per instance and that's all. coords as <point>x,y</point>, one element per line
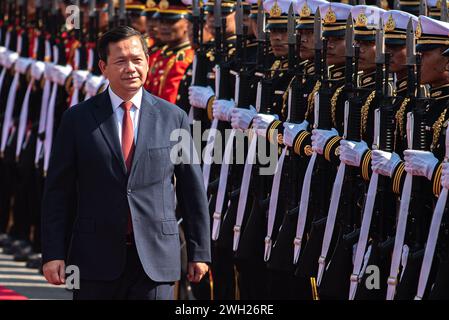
<point>18,282</point>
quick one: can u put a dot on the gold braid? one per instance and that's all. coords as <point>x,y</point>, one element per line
<point>437,128</point>
<point>400,120</point>
<point>364,113</point>
<point>334,105</point>
<point>310,98</point>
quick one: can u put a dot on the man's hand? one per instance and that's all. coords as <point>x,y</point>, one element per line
<point>54,272</point>
<point>197,270</point>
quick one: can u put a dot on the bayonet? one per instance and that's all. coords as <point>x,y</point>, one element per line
<point>260,22</point>
<point>410,45</point>
<point>111,14</point>
<point>396,5</point>
<point>317,31</point>
<point>444,15</point>
<point>349,38</point>
<point>291,39</point>
<point>196,24</point>
<point>380,44</point>
<point>423,8</point>
<point>239,18</point>
<point>122,13</point>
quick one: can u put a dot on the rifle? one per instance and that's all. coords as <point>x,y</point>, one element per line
<point>200,62</point>
<point>243,251</point>
<point>94,33</point>
<point>122,14</point>
<point>111,14</point>
<point>282,255</point>
<point>411,223</point>
<point>318,168</point>
<point>376,225</point>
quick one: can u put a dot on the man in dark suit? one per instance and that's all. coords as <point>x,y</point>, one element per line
<point>113,160</point>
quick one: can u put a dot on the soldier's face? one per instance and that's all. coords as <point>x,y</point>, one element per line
<point>172,31</point>
<point>230,23</point>
<point>306,44</point>
<point>398,55</point>
<point>278,42</point>
<point>139,23</point>
<point>253,27</point>
<point>126,67</point>
<point>433,67</point>
<point>367,55</point>
<point>336,51</point>
<point>152,28</point>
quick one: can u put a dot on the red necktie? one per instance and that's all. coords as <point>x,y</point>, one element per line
<point>127,146</point>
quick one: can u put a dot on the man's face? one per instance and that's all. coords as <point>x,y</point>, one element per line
<point>126,67</point>
<point>152,30</point>
<point>336,51</point>
<point>278,42</point>
<point>434,65</point>
<point>230,23</point>
<point>172,31</point>
<point>306,45</point>
<point>367,56</point>
<point>398,55</point>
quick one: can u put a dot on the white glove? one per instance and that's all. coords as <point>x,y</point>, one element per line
<point>61,73</point>
<point>351,152</point>
<point>262,121</point>
<point>320,137</point>
<point>10,58</point>
<point>221,109</point>
<point>241,118</point>
<point>79,77</point>
<point>199,96</point>
<point>48,72</point>
<point>22,64</point>
<point>291,130</point>
<point>383,162</point>
<point>2,55</point>
<point>445,176</point>
<point>37,69</point>
<point>92,85</point>
<point>420,163</point>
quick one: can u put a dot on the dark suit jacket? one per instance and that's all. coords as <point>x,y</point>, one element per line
<point>87,162</point>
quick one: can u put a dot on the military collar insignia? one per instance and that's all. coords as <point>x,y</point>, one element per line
<point>440,92</point>
<point>337,73</point>
<point>367,79</point>
<point>310,68</point>
<point>401,85</point>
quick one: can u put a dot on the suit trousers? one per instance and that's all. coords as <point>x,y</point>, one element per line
<point>133,284</point>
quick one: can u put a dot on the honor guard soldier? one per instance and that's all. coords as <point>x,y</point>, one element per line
<point>172,61</point>
<point>136,15</point>
<point>425,165</point>
<point>154,43</point>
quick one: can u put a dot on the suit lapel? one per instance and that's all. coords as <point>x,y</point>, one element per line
<point>104,115</point>
<point>149,114</point>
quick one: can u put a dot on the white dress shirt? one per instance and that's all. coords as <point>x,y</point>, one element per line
<point>116,101</point>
